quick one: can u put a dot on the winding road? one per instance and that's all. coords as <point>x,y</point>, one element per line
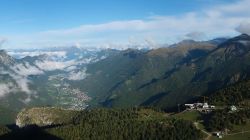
<point>209,135</point>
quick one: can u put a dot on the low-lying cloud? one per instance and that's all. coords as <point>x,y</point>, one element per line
<point>51,54</point>
<point>77,75</point>
<point>25,69</point>
<point>19,73</point>
<point>5,88</point>
<point>49,65</point>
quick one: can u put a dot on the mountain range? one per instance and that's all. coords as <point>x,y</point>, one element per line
<point>166,77</point>
<point>77,78</point>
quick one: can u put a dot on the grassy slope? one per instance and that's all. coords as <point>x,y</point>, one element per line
<point>189,115</point>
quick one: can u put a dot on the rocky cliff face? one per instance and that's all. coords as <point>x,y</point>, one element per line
<point>44,116</point>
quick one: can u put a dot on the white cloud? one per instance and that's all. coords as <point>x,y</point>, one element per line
<point>54,65</point>
<point>26,69</point>
<point>196,36</point>
<point>219,20</point>
<point>79,75</point>
<point>51,54</point>
<point>137,25</point>
<point>27,100</point>
<point>19,73</point>
<point>23,83</point>
<point>238,7</point>
<point>5,89</point>
<point>70,68</point>
<point>244,28</point>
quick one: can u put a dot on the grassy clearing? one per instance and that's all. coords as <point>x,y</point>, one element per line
<point>189,115</point>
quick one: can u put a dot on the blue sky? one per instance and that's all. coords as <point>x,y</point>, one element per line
<point>35,15</point>
<point>104,23</point>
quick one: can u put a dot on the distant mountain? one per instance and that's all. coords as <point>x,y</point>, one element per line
<point>63,53</point>
<point>166,77</point>
<point>77,78</point>
<point>218,41</point>
<point>134,77</point>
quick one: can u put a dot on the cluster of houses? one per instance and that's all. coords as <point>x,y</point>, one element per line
<point>218,134</point>
<point>199,106</point>
<point>206,107</point>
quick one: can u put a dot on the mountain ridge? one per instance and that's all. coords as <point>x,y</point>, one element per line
<point>169,76</point>
<point>162,77</point>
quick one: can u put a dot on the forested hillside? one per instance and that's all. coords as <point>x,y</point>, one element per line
<point>134,123</point>
<point>237,94</point>
<point>166,77</point>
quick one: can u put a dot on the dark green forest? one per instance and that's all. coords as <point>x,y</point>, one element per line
<point>133,123</point>
<point>224,119</point>
<point>237,94</point>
